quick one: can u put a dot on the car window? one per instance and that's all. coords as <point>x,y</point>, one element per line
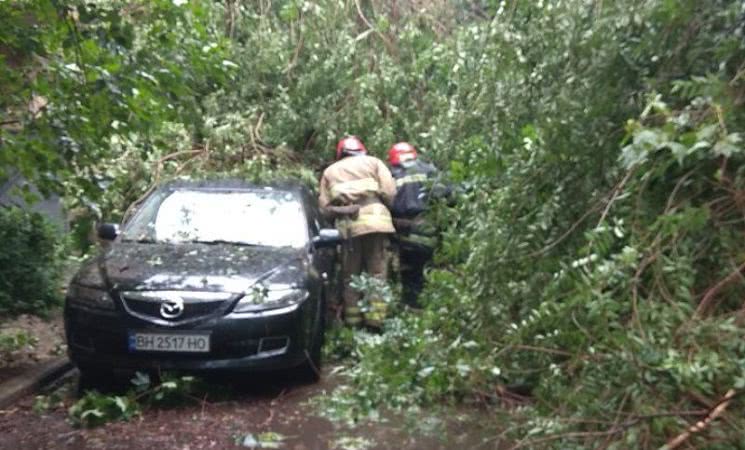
<point>267,218</point>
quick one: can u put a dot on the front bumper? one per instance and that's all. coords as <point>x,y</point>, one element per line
<point>273,339</point>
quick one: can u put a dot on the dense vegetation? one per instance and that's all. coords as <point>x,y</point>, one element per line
<point>595,257</point>
<point>29,267</point>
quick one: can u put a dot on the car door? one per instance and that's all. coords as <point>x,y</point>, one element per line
<point>323,259</point>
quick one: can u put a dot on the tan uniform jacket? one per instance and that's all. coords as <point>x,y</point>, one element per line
<point>359,180</point>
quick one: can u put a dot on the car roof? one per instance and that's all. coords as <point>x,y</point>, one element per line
<point>233,183</point>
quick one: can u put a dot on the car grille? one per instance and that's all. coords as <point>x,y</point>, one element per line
<point>173,308</point>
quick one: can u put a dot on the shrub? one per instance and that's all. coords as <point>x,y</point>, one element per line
<point>29,263</point>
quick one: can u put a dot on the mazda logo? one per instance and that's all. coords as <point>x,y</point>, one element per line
<point>172,308</point>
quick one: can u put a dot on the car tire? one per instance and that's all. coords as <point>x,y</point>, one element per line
<point>310,370</point>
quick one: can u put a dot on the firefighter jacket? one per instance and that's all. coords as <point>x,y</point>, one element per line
<point>359,180</point>
<point>414,188</point>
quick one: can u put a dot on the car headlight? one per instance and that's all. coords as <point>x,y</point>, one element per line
<point>89,297</point>
<point>273,296</point>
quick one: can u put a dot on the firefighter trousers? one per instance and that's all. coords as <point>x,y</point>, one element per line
<point>412,262</point>
<point>366,253</point>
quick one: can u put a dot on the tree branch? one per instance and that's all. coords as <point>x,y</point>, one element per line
<point>156,177</point>
<point>714,290</point>
<point>701,425</point>
<point>388,44</point>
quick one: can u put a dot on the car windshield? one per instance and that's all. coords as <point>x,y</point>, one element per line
<point>265,218</point>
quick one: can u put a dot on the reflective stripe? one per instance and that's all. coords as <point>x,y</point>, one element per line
<point>416,178</point>
<point>372,219</point>
<point>418,239</point>
<point>354,187</point>
<point>378,310</point>
<point>353,320</point>
<point>352,315</point>
<point>376,319</point>
<point>344,226</point>
<point>376,218</point>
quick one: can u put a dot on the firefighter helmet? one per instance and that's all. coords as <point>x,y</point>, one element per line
<point>350,145</point>
<point>401,152</point>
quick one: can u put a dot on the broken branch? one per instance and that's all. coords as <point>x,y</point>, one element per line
<point>702,424</point>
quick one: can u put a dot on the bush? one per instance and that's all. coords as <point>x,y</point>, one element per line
<point>29,263</point>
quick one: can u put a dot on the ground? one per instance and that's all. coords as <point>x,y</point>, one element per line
<point>272,403</point>
<point>48,342</point>
<point>232,413</point>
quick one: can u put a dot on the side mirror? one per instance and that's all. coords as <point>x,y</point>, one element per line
<point>108,231</point>
<point>327,237</point>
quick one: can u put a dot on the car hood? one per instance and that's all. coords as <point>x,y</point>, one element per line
<point>219,267</point>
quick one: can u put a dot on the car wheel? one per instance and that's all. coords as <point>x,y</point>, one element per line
<point>310,370</point>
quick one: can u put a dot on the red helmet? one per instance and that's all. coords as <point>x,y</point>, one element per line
<point>403,151</point>
<point>350,145</point>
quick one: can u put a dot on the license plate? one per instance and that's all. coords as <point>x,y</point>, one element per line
<point>169,342</point>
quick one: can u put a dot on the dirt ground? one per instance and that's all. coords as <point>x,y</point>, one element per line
<point>49,342</point>
<point>258,404</point>
<point>255,404</point>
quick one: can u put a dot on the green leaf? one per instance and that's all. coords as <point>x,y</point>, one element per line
<point>729,146</point>
<point>121,403</point>
<point>290,11</point>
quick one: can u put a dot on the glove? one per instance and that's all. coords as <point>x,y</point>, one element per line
<point>348,211</point>
<point>403,225</point>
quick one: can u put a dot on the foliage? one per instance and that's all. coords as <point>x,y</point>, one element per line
<point>10,343</point>
<point>594,257</point>
<point>352,443</point>
<point>266,439</point>
<point>95,409</point>
<point>373,290</point>
<point>102,97</point>
<point>44,403</point>
<point>339,343</point>
<point>603,279</point>
<point>171,390</point>
<point>29,263</point>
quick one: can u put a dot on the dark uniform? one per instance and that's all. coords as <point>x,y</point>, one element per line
<point>416,237</point>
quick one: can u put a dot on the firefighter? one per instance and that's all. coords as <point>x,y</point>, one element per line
<point>415,236</point>
<point>356,191</point>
